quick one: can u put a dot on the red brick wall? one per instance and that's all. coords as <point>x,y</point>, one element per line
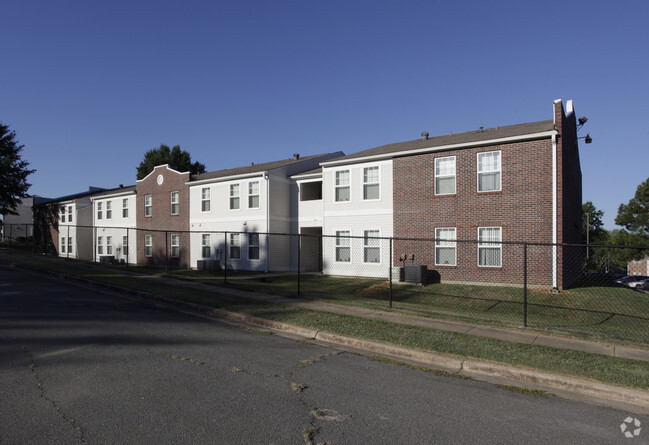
<point>523,209</point>
<point>162,219</point>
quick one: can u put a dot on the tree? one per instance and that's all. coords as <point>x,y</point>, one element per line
<point>634,216</point>
<point>13,171</point>
<point>177,159</point>
<point>593,226</point>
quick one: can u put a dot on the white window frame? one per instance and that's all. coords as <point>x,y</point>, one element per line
<point>376,183</point>
<point>497,171</point>
<point>492,245</point>
<point>339,186</point>
<point>148,206</point>
<point>62,214</point>
<point>100,245</point>
<point>109,210</point>
<point>234,196</point>
<point>69,245</point>
<point>439,175</point>
<point>63,244</point>
<point>206,200</point>
<point>343,235</point>
<point>69,214</point>
<point>206,247</point>
<point>252,245</point>
<point>371,242</point>
<point>109,245</point>
<point>100,212</point>
<point>175,245</point>
<point>148,246</point>
<point>174,198</point>
<point>124,207</point>
<point>235,245</point>
<point>124,243</point>
<point>443,242</point>
<point>252,195</point>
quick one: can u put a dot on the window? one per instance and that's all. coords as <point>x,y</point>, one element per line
<point>175,246</point>
<point>148,245</point>
<point>69,213</point>
<point>343,253</point>
<point>125,208</point>
<point>69,245</point>
<point>174,203</point>
<point>489,246</point>
<point>253,195</point>
<point>205,246</point>
<point>100,245</point>
<point>109,245</point>
<point>100,213</point>
<point>371,183</point>
<point>235,246</point>
<point>253,246</point>
<point>342,186</point>
<point>62,209</point>
<point>445,176</point>
<point>371,246</point>
<point>148,205</point>
<point>62,244</point>
<point>125,245</point>
<point>445,246</point>
<point>109,211</point>
<point>489,171</point>
<point>205,200</point>
<point>234,196</point>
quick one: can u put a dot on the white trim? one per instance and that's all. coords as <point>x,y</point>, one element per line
<point>499,243</point>
<point>349,185</point>
<point>397,154</point>
<point>454,241</point>
<point>113,195</point>
<point>225,179</point>
<point>209,199</point>
<point>349,246</point>
<point>258,195</point>
<point>500,171</point>
<point>358,213</point>
<point>363,183</point>
<point>230,196</point>
<point>444,176</point>
<point>379,239</point>
<point>162,166</point>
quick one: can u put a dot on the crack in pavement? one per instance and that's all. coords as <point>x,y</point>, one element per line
<point>41,388</point>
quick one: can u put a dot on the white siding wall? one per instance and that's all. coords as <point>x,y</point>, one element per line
<point>356,216</point>
<point>116,227</point>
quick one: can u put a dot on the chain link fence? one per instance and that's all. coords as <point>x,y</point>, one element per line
<point>592,290</point>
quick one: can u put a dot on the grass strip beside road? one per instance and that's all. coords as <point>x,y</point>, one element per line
<point>606,369</point>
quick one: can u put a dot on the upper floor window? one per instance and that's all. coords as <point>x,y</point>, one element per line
<point>371,183</point>
<point>489,246</point>
<point>174,203</point>
<point>445,175</point>
<point>109,211</point>
<point>489,171</point>
<point>148,205</point>
<point>342,186</point>
<point>125,208</point>
<point>253,195</point>
<point>205,199</point>
<point>100,213</point>
<point>234,196</point>
<point>445,246</point>
<point>62,209</point>
<point>69,213</point>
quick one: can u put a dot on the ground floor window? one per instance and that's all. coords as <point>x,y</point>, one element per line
<point>148,245</point>
<point>445,247</point>
<point>253,246</point>
<point>235,246</point>
<point>206,250</point>
<point>343,251</point>
<point>371,246</point>
<point>100,245</point>
<point>175,246</point>
<point>489,247</point>
<point>109,245</point>
<point>62,244</point>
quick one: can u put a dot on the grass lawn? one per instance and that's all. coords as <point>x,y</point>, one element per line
<point>630,373</point>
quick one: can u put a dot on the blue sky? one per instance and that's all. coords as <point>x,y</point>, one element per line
<point>90,86</point>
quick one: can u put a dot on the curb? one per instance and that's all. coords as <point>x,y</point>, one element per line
<point>597,392</point>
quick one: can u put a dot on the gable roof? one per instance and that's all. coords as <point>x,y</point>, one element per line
<point>451,141</point>
<point>253,168</point>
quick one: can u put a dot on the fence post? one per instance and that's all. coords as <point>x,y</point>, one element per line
<point>299,260</point>
<point>128,246</point>
<point>525,284</point>
<point>68,241</point>
<point>225,258</point>
<point>390,265</point>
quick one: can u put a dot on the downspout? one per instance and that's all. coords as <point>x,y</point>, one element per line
<point>267,221</point>
<point>554,211</point>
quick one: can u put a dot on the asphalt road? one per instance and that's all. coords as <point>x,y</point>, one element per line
<point>77,366</point>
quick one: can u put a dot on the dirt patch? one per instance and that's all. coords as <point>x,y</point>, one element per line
<point>379,291</point>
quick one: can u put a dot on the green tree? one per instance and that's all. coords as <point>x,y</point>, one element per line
<point>13,171</point>
<point>634,216</point>
<point>593,225</point>
<point>177,159</point>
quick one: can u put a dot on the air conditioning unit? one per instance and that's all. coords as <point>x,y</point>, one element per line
<point>415,273</point>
